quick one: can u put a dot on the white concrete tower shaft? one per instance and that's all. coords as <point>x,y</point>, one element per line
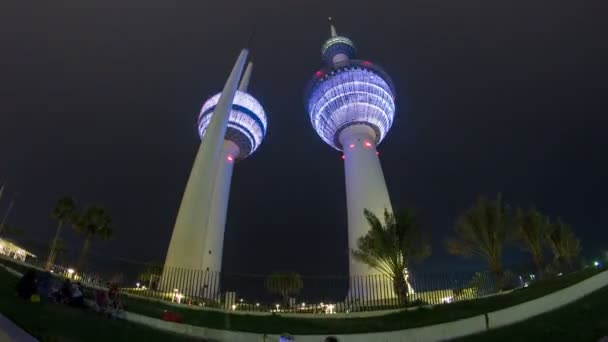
<point>216,224</point>
<point>187,246</point>
<point>365,188</point>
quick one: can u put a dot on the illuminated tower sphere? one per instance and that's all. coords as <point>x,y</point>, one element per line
<point>244,134</point>
<point>351,106</point>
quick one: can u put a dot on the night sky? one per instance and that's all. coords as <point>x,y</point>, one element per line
<point>98,99</point>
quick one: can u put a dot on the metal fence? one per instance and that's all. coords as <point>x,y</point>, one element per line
<point>291,293</point>
<point>314,294</point>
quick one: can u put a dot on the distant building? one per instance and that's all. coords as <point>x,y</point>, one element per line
<point>11,250</point>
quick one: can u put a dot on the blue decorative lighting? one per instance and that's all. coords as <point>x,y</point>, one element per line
<point>247,123</point>
<point>355,93</point>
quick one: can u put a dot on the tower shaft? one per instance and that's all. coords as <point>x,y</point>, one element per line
<point>187,246</point>
<point>365,189</point>
<point>214,241</point>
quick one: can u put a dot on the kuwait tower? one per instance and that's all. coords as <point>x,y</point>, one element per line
<point>351,106</point>
<point>232,125</point>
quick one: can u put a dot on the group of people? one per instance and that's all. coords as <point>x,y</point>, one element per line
<point>108,302</point>
<point>38,287</point>
<point>44,287</point>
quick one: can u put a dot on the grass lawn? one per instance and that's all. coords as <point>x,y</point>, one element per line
<point>50,322</point>
<point>401,320</point>
<point>584,320</point>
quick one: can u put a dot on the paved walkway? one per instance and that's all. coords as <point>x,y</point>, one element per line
<point>9,332</point>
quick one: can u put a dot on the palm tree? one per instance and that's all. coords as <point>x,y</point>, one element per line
<point>482,230</point>
<point>390,246</point>
<point>284,284</point>
<point>531,229</point>
<point>563,243</point>
<point>95,222</point>
<point>63,213</point>
<point>60,251</point>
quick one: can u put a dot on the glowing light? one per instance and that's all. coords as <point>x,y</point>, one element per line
<point>319,74</point>
<point>303,305</point>
<point>257,304</point>
<point>277,306</point>
<point>241,300</point>
<point>596,263</point>
<point>247,123</point>
<point>343,157</point>
<point>351,96</point>
<point>330,309</point>
<point>377,153</point>
<point>368,144</point>
<point>230,158</point>
<point>560,274</point>
<point>71,271</point>
<point>447,299</point>
<point>351,146</point>
<point>179,297</point>
<point>138,285</point>
<point>233,307</point>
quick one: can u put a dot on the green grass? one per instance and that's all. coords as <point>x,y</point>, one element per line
<point>584,320</point>
<point>51,322</point>
<point>396,321</point>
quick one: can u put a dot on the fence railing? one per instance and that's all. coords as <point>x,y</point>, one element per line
<point>306,294</point>
<point>291,293</point>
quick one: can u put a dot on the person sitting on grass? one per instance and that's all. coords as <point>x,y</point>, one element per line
<point>27,285</point>
<point>76,296</point>
<point>65,293</point>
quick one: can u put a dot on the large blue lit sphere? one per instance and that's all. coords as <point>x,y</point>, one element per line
<point>356,92</point>
<point>337,46</point>
<point>246,125</point>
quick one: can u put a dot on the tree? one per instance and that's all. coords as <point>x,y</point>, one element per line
<point>64,213</point>
<point>483,230</point>
<point>531,229</point>
<point>60,250</point>
<point>563,243</point>
<point>284,284</point>
<point>95,222</point>
<point>390,246</point>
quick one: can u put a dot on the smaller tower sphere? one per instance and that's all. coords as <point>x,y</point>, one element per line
<point>337,46</point>
<point>247,123</point>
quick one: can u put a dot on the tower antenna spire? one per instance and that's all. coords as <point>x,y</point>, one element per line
<point>332,28</point>
<point>246,77</point>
